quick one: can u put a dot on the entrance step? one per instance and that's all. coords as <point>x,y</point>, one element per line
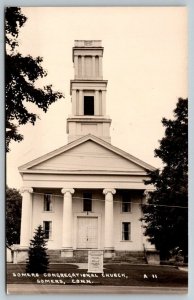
<point>132,257</point>
<point>80,253</point>
<point>81,256</point>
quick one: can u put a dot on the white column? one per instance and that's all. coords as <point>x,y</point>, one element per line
<point>67,219</point>
<point>108,222</point>
<point>96,103</point>
<point>26,218</point>
<point>81,103</point>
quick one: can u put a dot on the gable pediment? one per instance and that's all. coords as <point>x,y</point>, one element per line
<point>89,154</point>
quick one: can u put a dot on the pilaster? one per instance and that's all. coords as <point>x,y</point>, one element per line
<point>104,103</point>
<point>100,66</point>
<point>96,102</point>
<point>82,66</point>
<point>76,65</point>
<point>81,105</point>
<point>74,102</point>
<point>93,66</point>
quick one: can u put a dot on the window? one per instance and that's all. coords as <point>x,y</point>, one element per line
<point>89,105</point>
<point>126,231</point>
<point>87,201</point>
<point>47,226</point>
<point>48,204</point>
<point>126,202</point>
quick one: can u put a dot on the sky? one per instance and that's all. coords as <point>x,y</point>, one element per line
<point>145,63</point>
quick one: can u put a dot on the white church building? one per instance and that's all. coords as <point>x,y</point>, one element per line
<point>88,193</point>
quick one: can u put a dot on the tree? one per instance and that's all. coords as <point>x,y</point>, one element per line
<point>21,74</point>
<point>37,257</point>
<point>166,212</point>
<point>13,216</point>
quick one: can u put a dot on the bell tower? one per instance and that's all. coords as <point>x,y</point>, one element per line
<point>88,92</point>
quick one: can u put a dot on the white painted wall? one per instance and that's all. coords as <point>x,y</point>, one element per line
<point>39,215</point>
<point>136,243</point>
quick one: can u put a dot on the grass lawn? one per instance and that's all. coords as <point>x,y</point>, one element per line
<point>114,274</point>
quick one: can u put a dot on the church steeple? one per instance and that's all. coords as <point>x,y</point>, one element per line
<point>88,90</point>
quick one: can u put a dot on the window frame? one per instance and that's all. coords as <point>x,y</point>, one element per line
<point>49,230</point>
<point>126,201</point>
<point>123,231</point>
<point>51,204</point>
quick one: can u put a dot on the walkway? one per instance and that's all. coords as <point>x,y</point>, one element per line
<point>71,289</point>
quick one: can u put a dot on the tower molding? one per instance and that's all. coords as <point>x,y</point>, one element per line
<point>88,93</point>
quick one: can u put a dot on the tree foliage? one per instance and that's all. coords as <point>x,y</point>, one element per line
<point>166,215</point>
<point>13,216</point>
<point>21,74</point>
<point>38,261</point>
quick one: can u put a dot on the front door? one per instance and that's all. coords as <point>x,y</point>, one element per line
<point>87,233</point>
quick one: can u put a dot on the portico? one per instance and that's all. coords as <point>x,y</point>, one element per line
<point>80,230</point>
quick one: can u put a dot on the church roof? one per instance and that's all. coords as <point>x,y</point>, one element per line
<point>87,155</point>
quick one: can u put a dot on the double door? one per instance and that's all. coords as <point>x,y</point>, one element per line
<point>87,233</point>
